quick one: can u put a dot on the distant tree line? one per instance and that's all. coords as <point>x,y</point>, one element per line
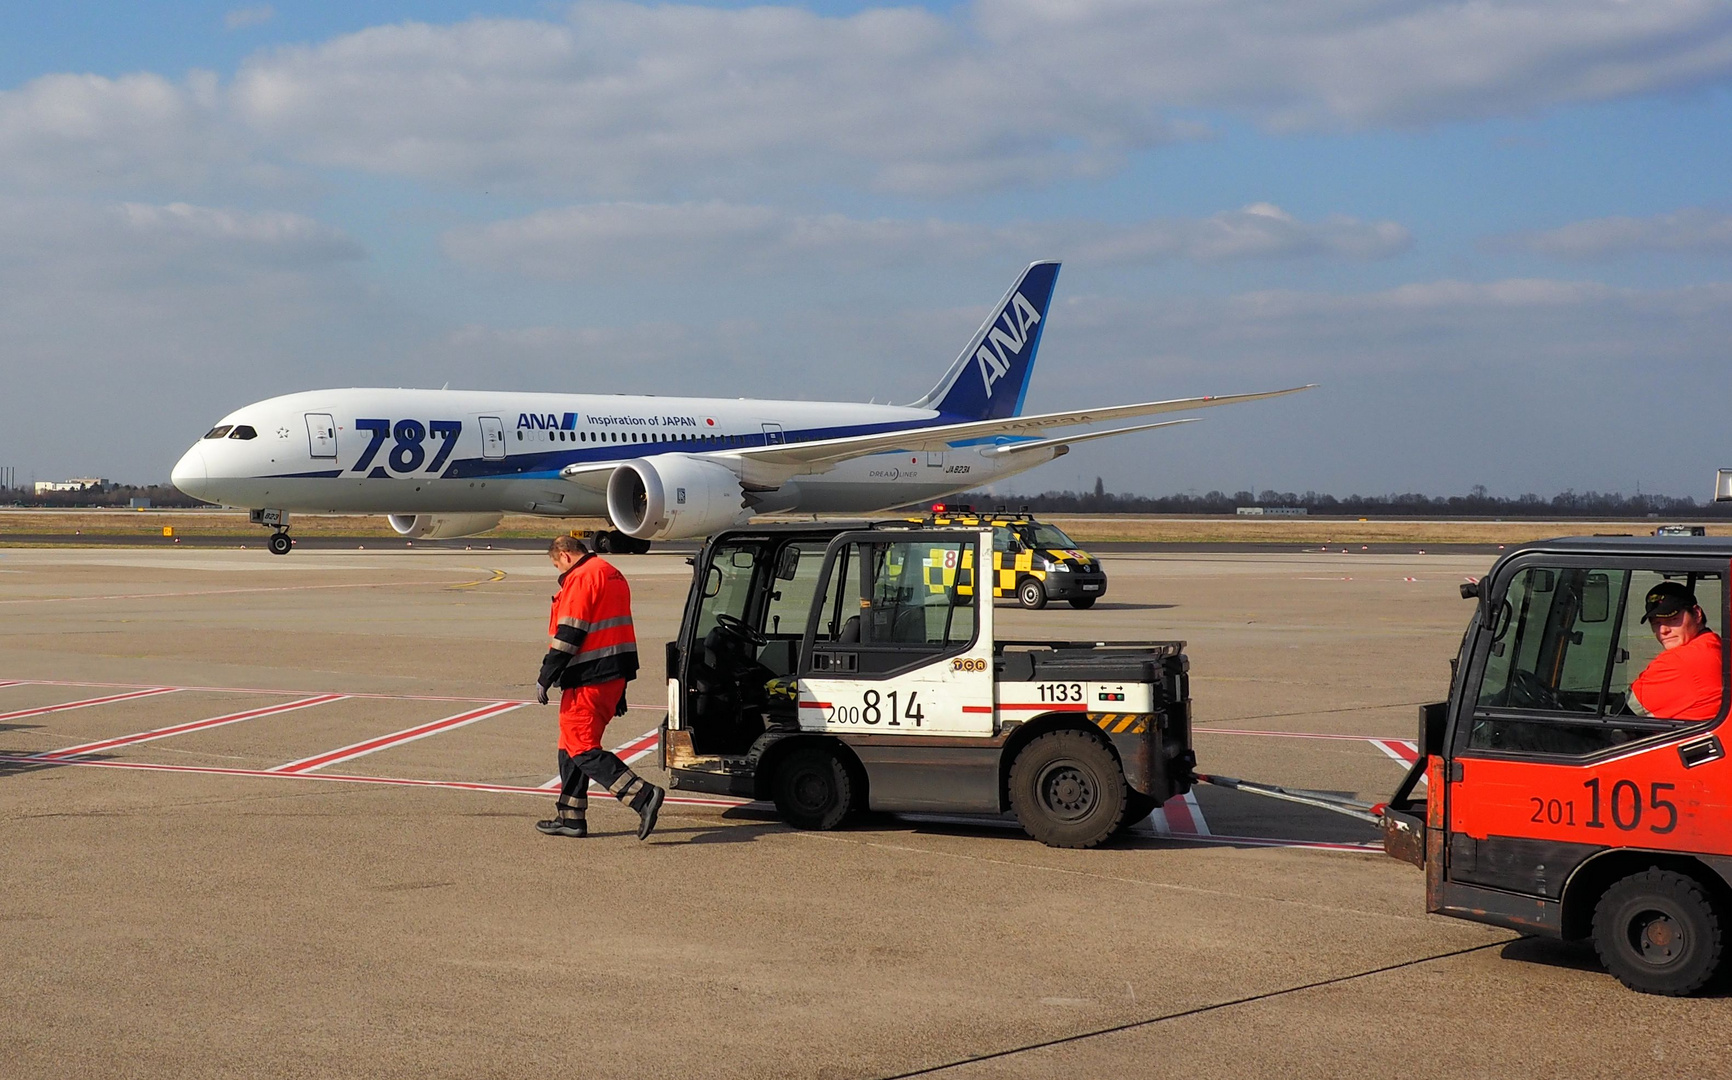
<point>1476,503</point>
<point>165,495</point>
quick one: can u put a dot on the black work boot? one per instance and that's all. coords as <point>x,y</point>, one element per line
<point>562,824</point>
<point>648,804</point>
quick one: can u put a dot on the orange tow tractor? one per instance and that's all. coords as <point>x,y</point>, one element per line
<point>1575,785</point>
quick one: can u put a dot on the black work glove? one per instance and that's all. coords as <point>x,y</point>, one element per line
<point>619,710</point>
<point>541,693</point>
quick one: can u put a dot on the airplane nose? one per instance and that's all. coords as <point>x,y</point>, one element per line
<point>190,474</point>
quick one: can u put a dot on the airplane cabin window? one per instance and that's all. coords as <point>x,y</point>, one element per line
<point>217,432</point>
<point>243,431</point>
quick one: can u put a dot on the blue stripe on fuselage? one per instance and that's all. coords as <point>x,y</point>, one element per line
<point>547,463</point>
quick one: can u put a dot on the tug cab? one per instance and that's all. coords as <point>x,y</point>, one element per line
<point>1543,800</point>
<point>834,668</point>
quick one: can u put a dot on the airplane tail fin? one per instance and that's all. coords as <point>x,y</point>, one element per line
<point>989,380</point>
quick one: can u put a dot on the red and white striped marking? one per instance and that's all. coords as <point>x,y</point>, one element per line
<point>182,729</point>
<point>1180,817</point>
<point>626,752</point>
<point>4,683</point>
<point>396,738</point>
<point>1399,749</point>
<point>88,702</point>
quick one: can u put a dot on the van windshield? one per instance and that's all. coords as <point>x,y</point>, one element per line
<point>1051,536</point>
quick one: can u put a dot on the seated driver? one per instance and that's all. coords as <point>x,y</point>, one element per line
<point>1683,682</point>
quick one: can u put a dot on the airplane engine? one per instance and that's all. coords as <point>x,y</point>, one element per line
<point>442,526</point>
<point>674,496</point>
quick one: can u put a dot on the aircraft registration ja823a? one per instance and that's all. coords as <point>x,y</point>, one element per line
<point>451,463</point>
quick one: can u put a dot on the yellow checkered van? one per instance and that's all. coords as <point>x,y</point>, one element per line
<point>1031,560</point>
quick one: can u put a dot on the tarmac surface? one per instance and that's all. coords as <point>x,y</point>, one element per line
<point>272,817</point>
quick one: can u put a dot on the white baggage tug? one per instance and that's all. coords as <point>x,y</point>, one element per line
<point>841,667</point>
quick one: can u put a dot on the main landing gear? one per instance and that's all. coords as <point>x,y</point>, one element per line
<point>280,542</point>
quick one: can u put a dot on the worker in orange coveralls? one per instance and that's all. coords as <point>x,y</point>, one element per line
<point>1683,682</point>
<point>592,655</point>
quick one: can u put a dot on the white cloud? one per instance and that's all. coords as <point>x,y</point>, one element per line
<point>1259,231</point>
<point>1554,330</point>
<point>57,243</point>
<point>607,239</point>
<point>273,236</point>
<point>257,15</point>
<point>1352,63</point>
<point>627,98</point>
<point>624,100</point>
<point>143,322</point>
<point>1692,231</point>
<point>91,131</point>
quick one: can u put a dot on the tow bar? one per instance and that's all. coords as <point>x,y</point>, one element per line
<point>1353,808</point>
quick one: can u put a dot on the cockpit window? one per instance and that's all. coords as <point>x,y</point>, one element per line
<point>218,432</point>
<point>243,431</point>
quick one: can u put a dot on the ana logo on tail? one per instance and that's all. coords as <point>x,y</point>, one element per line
<point>1006,339</point>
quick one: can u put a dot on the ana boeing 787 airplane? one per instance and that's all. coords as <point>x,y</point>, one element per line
<point>451,463</point>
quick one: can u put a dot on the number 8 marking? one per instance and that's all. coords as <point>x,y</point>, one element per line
<point>408,454</point>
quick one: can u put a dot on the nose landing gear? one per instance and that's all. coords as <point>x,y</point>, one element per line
<point>278,521</point>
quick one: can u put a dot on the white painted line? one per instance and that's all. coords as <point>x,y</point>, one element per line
<point>280,691</point>
<point>396,738</point>
<point>1283,734</point>
<point>194,725</point>
<point>340,778</point>
<point>87,703</point>
<point>222,592</point>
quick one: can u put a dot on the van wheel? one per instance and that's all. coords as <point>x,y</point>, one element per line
<point>1659,933</point>
<point>1068,790</point>
<point>1083,602</point>
<point>813,789</point>
<point>1032,594</point>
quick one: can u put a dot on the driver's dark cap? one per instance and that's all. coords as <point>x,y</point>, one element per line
<point>1667,599</point>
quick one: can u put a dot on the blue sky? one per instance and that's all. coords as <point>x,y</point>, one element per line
<point>1498,234</point>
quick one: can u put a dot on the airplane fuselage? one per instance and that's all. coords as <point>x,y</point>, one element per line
<point>450,451</point>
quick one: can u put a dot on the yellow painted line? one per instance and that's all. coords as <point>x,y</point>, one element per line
<point>497,575</point>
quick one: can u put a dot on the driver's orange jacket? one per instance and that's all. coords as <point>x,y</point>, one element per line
<point>590,626</point>
<point>1683,683</point>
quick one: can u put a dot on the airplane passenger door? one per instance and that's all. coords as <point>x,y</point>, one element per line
<point>322,435</point>
<point>492,438</point>
<point>773,435</point>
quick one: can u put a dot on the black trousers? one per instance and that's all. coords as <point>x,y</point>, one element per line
<point>606,769</point>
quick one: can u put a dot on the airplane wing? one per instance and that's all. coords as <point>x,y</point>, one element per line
<point>1066,440</point>
<point>773,465</point>
<point>594,477</point>
<point>790,459</point>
